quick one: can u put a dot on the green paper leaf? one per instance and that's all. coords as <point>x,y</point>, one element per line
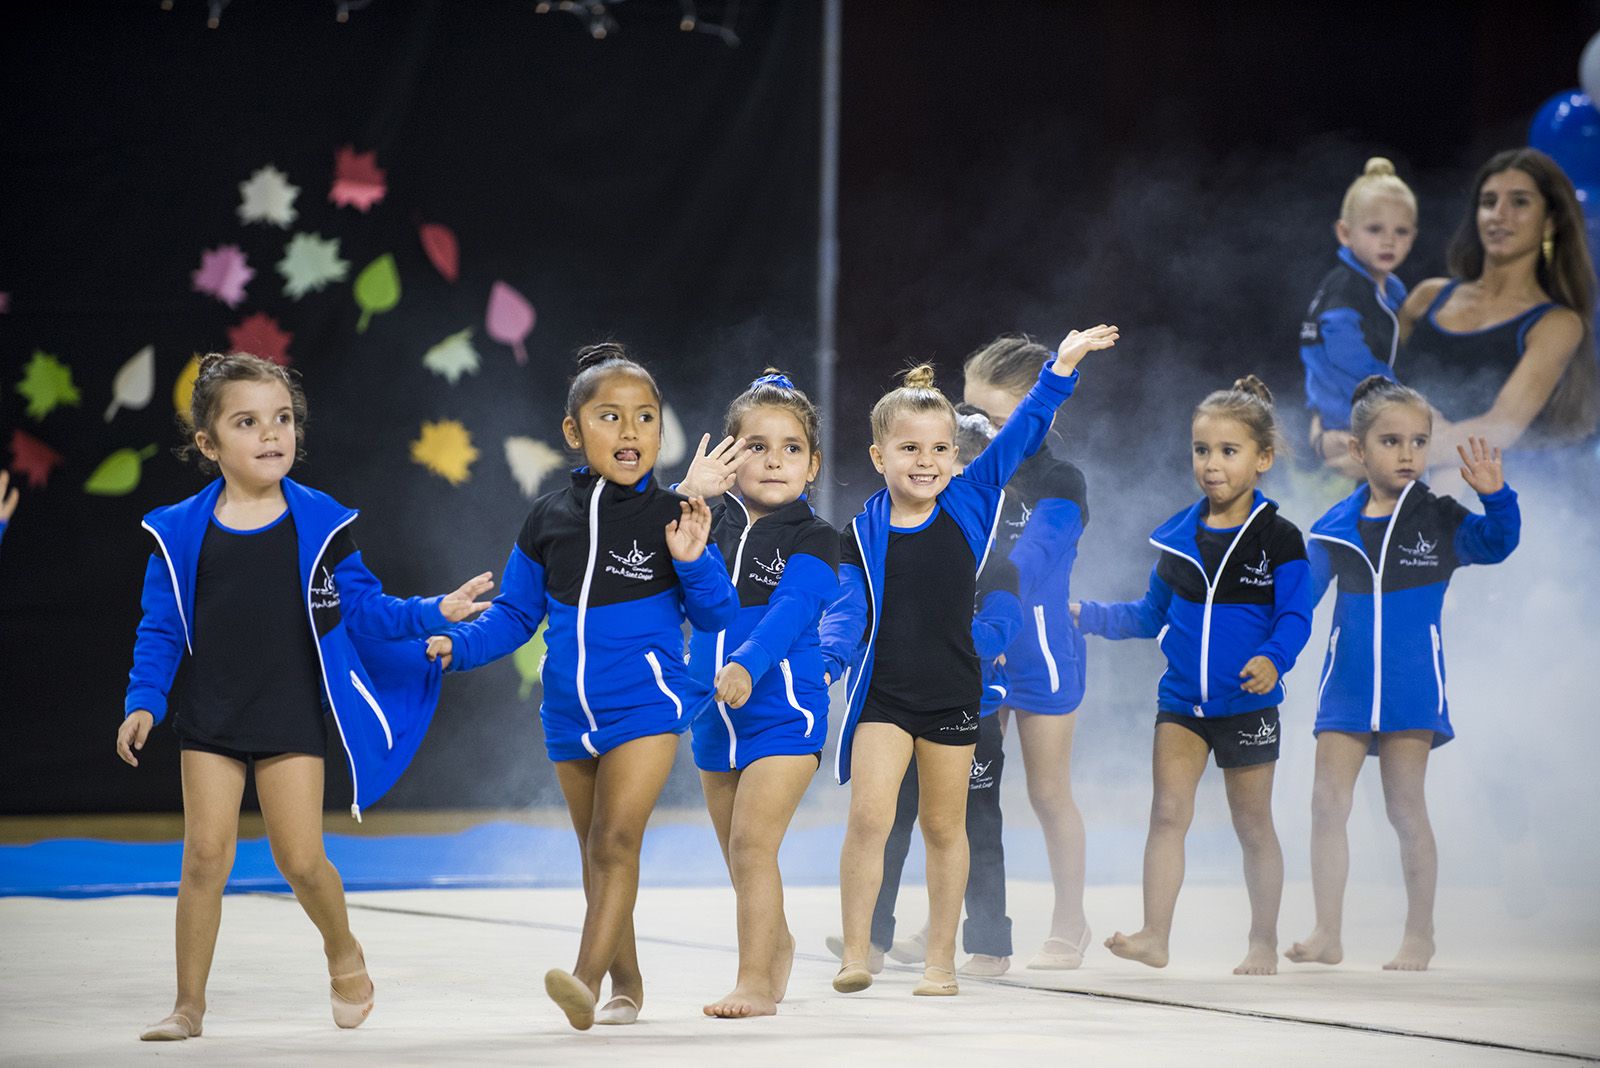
<point>529,659</point>
<point>47,383</point>
<point>377,289</point>
<point>118,474</point>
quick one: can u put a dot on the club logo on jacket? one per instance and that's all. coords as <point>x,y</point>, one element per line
<point>324,593</point>
<point>1266,734</point>
<point>632,563</point>
<point>1258,574</point>
<point>1419,555</point>
<point>1022,520</point>
<point>981,779</point>
<point>768,574</point>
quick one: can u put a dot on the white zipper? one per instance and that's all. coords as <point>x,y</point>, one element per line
<point>661,683</point>
<point>1394,338</point>
<point>1211,593</point>
<point>1438,669</point>
<point>794,702</point>
<point>383,721</point>
<point>994,527</point>
<point>322,665</point>
<point>177,596</point>
<point>722,637</point>
<point>1044,647</point>
<point>872,636</point>
<point>583,605</point>
<point>1333,653</point>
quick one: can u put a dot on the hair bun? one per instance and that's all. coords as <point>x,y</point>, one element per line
<point>1254,387</point>
<point>775,378</point>
<point>1376,167</point>
<point>918,377</point>
<point>604,352</point>
<point>1370,384</point>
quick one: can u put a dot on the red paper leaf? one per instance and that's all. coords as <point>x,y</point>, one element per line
<point>439,242</point>
<point>32,458</point>
<point>358,181</point>
<point>260,335</point>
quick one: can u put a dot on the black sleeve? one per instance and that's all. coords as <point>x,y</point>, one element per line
<point>823,542</point>
<point>849,551</point>
<point>1070,484</point>
<point>528,536</point>
<point>1000,575</point>
<point>1285,543</point>
<point>341,546</point>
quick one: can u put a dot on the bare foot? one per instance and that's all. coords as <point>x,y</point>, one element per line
<point>1146,947</point>
<point>1261,960</point>
<point>742,1004</point>
<point>1320,947</point>
<point>1415,953</point>
<point>782,966</point>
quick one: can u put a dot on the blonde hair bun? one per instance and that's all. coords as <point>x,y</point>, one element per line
<point>918,377</point>
<point>1378,166</point>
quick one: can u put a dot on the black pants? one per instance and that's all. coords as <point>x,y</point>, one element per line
<point>988,928</point>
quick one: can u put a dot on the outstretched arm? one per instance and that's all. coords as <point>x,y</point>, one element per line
<point>1128,619</point>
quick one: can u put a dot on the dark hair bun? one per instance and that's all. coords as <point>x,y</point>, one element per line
<point>604,352</point>
<point>1368,385</point>
<point>1254,387</point>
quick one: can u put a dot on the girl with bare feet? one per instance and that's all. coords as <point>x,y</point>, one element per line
<point>1229,605</point>
<point>908,568</point>
<point>1047,510</point>
<point>1392,545</point>
<point>257,589</point>
<point>758,743</point>
<point>616,562</point>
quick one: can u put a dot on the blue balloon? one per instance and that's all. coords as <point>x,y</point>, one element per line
<point>1567,129</point>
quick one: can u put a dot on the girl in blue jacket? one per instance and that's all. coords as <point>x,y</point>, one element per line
<point>1047,510</point>
<point>1229,605</point>
<point>908,569</point>
<point>257,591</point>
<point>616,563</point>
<point>758,742</point>
<point>1392,545</point>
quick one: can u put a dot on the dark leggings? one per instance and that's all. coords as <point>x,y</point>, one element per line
<point>988,928</point>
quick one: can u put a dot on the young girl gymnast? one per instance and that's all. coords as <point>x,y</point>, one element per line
<point>1047,511</point>
<point>908,569</point>
<point>1392,545</point>
<point>759,742</point>
<point>1351,329</point>
<point>257,591</point>
<point>594,559</point>
<point>1228,601</point>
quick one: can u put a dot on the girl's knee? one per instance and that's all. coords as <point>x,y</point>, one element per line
<point>749,853</point>
<point>1331,804</point>
<point>1408,816</point>
<point>207,862</point>
<point>612,847</point>
<point>1171,814</point>
<point>301,866</point>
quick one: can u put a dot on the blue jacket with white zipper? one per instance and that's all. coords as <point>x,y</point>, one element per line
<point>1384,668</point>
<point>380,688</point>
<point>1209,626</point>
<point>995,626</point>
<point>593,557</point>
<point>973,500</point>
<point>1350,331</point>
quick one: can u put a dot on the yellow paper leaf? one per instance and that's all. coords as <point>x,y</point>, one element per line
<point>445,448</point>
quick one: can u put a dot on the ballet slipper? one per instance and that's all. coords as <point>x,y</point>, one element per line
<point>347,1013</point>
<point>985,966</point>
<point>936,988</point>
<point>835,946</point>
<point>852,977</point>
<point>913,950</point>
<point>174,1028</point>
<point>621,1009</point>
<point>571,997</point>
<point>1059,955</point>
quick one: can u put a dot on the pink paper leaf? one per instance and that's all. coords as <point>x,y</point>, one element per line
<point>358,181</point>
<point>223,273</point>
<point>510,318</point>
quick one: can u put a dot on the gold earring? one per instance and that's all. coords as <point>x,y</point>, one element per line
<point>1550,246</point>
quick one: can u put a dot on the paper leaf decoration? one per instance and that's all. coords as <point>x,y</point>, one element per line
<point>260,335</point>
<point>439,242</point>
<point>377,289</point>
<point>5,303</point>
<point>674,446</point>
<point>47,383</point>
<point>118,474</point>
<point>530,661</point>
<point>453,357</point>
<point>33,459</point>
<point>135,383</point>
<point>358,181</point>
<point>183,388</point>
<point>222,273</point>
<point>510,318</point>
<point>530,461</point>
<point>309,263</point>
<point>445,448</point>
<point>268,197</point>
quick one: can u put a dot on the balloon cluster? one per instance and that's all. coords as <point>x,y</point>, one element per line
<point>1567,129</point>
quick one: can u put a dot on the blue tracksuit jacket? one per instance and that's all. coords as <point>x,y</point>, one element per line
<point>381,690</point>
<point>786,569</point>
<point>1350,331</point>
<point>593,558</point>
<point>1209,627</point>
<point>973,499</point>
<point>995,626</point>
<point>1384,669</point>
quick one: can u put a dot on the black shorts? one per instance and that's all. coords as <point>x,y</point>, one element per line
<point>241,755</point>
<point>1236,741</point>
<point>945,726</point>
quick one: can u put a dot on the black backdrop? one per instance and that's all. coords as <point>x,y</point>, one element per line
<point>1005,165</point>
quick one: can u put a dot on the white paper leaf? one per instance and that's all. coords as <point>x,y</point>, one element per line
<point>674,446</point>
<point>268,197</point>
<point>453,357</point>
<point>135,383</point>
<point>530,461</point>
